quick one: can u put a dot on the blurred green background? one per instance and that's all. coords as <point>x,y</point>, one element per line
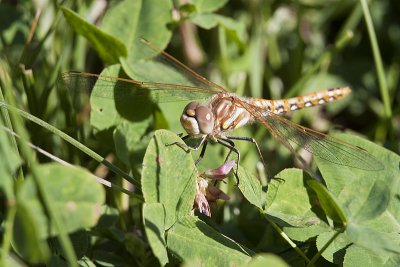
<point>269,49</point>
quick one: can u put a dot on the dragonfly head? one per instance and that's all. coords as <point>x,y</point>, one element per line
<point>197,119</point>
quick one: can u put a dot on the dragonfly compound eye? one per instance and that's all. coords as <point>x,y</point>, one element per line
<point>188,120</point>
<point>190,109</point>
<point>197,119</point>
<point>205,119</point>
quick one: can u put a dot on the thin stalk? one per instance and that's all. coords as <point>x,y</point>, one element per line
<point>316,257</point>
<point>284,236</point>
<point>378,60</point>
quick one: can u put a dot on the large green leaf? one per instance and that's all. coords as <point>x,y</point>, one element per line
<point>74,194</point>
<point>132,20</point>
<point>131,139</point>
<point>154,220</point>
<point>372,239</point>
<point>169,176</point>
<point>208,5</point>
<point>359,256</point>
<point>191,239</point>
<point>110,49</point>
<point>337,249</point>
<point>113,102</point>
<point>288,201</point>
<point>250,187</point>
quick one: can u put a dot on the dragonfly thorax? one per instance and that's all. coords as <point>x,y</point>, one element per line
<point>197,119</point>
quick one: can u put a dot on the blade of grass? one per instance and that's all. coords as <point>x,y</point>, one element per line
<point>73,142</point>
<point>378,60</point>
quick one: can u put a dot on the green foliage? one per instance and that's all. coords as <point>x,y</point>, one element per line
<point>55,214</point>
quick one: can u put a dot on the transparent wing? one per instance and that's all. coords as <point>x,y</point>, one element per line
<point>161,79</point>
<point>122,89</point>
<point>326,147</point>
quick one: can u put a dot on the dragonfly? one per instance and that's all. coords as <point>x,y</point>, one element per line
<point>221,111</point>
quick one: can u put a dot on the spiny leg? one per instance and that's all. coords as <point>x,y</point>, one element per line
<point>203,151</point>
<point>232,144</point>
<point>203,142</point>
<point>251,140</point>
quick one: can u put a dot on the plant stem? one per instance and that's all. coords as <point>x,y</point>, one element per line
<point>378,60</point>
<point>315,258</point>
<point>284,236</point>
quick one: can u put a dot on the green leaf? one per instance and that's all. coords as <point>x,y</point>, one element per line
<point>78,207</point>
<point>147,19</point>
<point>376,202</point>
<point>328,202</point>
<point>206,244</point>
<point>336,250</point>
<point>288,201</point>
<point>131,140</point>
<point>209,20</point>
<point>372,239</point>
<point>250,187</point>
<point>208,5</point>
<point>169,176</point>
<point>104,114</point>
<point>113,103</point>
<point>359,256</point>
<point>303,234</point>
<point>110,49</point>
<point>154,220</point>
<point>267,259</point>
<point>235,28</point>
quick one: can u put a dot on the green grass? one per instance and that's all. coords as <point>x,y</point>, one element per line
<point>57,213</point>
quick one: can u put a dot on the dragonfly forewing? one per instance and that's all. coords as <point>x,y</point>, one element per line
<point>128,90</point>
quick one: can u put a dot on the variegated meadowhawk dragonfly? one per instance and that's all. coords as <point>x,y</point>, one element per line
<point>224,111</point>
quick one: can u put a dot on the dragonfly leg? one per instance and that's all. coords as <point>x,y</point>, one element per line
<point>188,148</point>
<point>203,151</point>
<point>184,137</point>
<point>251,140</point>
<point>231,146</point>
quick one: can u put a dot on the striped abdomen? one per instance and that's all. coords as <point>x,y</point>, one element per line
<point>310,100</point>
